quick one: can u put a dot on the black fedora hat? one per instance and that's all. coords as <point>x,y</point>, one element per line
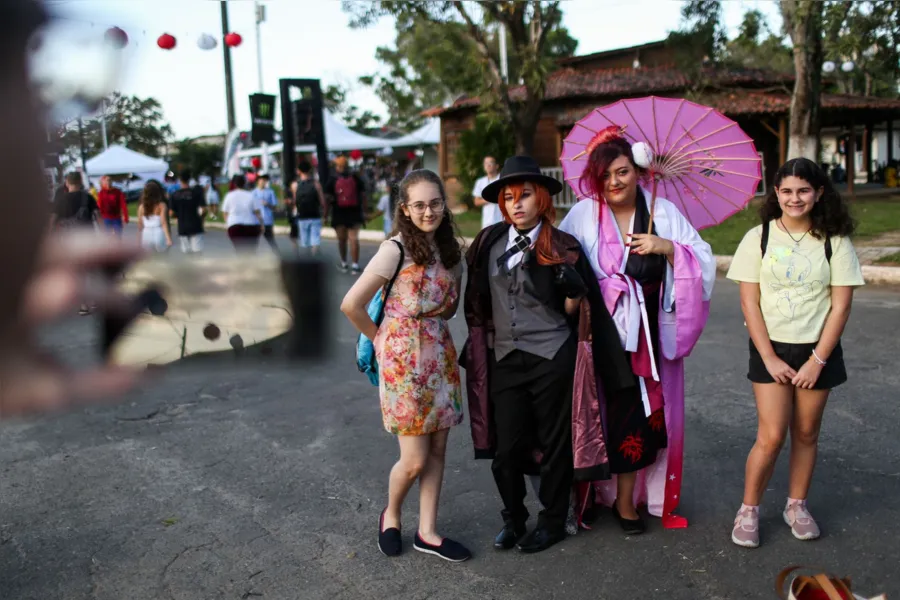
<point>517,169</point>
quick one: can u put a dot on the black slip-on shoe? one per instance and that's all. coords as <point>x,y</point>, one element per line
<point>509,535</point>
<point>389,541</point>
<point>448,549</point>
<point>629,526</point>
<point>540,539</point>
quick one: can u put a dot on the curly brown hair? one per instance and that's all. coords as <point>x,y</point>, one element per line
<point>446,237</point>
<point>151,196</point>
<point>830,216</point>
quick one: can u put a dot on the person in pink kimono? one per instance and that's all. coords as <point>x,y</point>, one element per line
<point>657,286</point>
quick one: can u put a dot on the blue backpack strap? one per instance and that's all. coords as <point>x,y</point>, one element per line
<point>390,284</point>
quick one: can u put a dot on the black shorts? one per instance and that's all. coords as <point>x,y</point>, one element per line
<point>295,231</point>
<point>346,217</point>
<point>795,355</point>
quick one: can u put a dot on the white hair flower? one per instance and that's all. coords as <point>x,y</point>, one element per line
<point>643,154</point>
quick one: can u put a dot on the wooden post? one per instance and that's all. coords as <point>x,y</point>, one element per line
<point>890,140</point>
<point>782,141</point>
<point>851,160</point>
<point>867,152</point>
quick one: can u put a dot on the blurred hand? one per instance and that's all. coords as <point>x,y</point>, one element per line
<point>643,244</point>
<point>72,269</point>
<point>779,370</point>
<point>808,375</point>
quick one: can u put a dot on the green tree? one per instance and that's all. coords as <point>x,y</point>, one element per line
<point>198,158</point>
<point>803,23</point>
<point>528,25</point>
<point>866,33</point>
<point>133,122</point>
<point>335,99</point>
<point>700,39</point>
<point>489,136</point>
<point>757,46</point>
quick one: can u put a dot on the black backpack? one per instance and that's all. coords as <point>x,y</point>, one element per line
<point>764,242</point>
<point>307,197</point>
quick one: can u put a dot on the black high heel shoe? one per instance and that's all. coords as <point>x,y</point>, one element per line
<point>629,526</point>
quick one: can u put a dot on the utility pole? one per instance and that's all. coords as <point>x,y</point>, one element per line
<point>226,49</point>
<point>81,143</point>
<point>260,18</point>
<point>103,123</point>
<point>504,66</point>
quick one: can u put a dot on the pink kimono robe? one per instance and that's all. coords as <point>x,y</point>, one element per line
<point>683,313</point>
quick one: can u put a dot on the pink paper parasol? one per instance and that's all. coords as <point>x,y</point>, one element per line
<point>699,159</point>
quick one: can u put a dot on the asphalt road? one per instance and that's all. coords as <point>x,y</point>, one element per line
<point>268,483</point>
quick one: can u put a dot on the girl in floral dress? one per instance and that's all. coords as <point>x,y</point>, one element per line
<point>421,398</point>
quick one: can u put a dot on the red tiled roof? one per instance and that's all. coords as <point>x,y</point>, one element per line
<point>748,102</point>
<point>577,83</point>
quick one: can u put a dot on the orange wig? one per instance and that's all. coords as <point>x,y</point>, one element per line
<point>547,212</point>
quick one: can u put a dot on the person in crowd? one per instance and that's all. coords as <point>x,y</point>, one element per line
<point>243,214</point>
<point>797,273</point>
<point>212,198</point>
<point>269,201</point>
<point>153,230</point>
<point>387,205</point>
<point>527,299</point>
<point>76,209</point>
<point>490,212</point>
<point>113,208</point>
<point>46,274</point>
<point>92,190</point>
<point>188,205</point>
<point>346,191</point>
<point>309,206</point>
<point>657,284</point>
<point>413,345</point>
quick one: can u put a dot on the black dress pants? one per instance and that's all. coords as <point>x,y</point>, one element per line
<point>532,400</point>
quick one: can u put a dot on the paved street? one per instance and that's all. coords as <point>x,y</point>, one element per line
<point>268,484</point>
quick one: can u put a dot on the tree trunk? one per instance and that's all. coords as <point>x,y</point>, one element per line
<point>803,21</point>
<point>525,121</point>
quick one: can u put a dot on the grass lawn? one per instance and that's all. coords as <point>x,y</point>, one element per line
<point>890,259</point>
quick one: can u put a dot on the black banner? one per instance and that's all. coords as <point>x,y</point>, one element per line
<point>262,112</point>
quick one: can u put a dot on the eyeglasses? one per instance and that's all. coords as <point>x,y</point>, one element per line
<point>418,208</point>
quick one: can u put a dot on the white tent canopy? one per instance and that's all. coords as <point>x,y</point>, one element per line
<point>119,160</point>
<point>428,134</point>
<point>338,138</point>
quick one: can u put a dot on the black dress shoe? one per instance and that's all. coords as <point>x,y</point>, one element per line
<point>629,526</point>
<point>389,541</point>
<point>540,539</point>
<point>509,535</point>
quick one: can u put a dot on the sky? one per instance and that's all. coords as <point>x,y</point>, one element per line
<point>311,39</point>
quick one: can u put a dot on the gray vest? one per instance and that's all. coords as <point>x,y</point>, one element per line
<point>521,320</point>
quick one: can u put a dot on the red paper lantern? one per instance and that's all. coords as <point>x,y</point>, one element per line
<point>116,38</point>
<point>256,162</point>
<point>356,154</point>
<point>410,155</point>
<point>166,41</point>
<point>233,40</point>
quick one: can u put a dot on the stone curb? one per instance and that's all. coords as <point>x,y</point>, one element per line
<point>871,273</point>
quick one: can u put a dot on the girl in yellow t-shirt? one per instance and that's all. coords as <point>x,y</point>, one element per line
<point>797,272</point>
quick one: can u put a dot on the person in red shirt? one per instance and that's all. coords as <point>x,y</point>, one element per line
<point>113,209</point>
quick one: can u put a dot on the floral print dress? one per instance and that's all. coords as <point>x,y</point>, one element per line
<point>418,371</point>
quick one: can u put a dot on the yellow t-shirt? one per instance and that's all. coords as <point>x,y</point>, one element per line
<point>795,280</point>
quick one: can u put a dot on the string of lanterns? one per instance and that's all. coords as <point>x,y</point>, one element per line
<point>118,39</point>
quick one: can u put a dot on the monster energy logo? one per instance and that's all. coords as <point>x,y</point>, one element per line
<point>265,110</point>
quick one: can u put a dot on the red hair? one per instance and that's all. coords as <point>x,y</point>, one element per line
<point>547,212</point>
<point>606,146</point>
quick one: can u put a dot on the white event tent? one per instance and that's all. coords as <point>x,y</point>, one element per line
<point>119,160</point>
<point>428,134</point>
<point>338,138</point>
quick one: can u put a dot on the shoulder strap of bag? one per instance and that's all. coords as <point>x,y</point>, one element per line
<point>390,284</point>
<point>764,242</point>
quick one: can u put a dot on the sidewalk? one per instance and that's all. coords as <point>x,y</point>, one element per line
<point>872,273</point>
